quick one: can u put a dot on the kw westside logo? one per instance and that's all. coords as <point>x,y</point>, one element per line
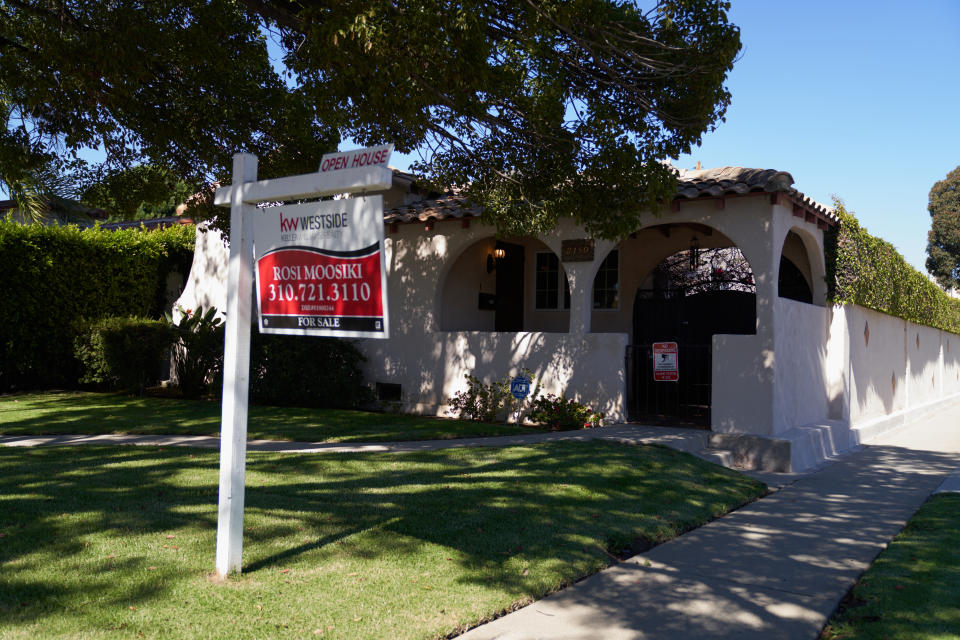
<point>314,222</point>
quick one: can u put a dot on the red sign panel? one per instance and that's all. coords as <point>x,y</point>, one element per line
<point>665,366</point>
<point>307,288</point>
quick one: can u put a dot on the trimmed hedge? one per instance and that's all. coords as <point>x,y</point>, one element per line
<point>54,278</point>
<point>306,371</point>
<point>124,353</point>
<point>867,271</point>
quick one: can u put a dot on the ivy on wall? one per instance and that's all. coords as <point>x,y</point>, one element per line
<point>52,278</point>
<point>869,272</point>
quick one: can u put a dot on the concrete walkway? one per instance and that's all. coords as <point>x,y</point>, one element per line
<point>774,569</point>
<point>777,568</point>
<point>690,440</point>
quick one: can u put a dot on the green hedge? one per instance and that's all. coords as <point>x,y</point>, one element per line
<point>125,354</point>
<point>53,278</point>
<point>867,271</point>
<point>306,371</point>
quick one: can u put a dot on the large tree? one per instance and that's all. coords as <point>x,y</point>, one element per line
<point>943,239</point>
<point>534,109</point>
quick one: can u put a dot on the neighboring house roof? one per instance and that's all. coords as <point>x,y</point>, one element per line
<point>147,223</point>
<point>704,183</point>
<point>61,211</point>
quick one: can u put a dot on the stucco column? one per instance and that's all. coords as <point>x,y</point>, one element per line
<point>580,278</point>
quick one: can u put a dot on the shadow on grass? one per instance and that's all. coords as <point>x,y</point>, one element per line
<point>98,413</point>
<point>558,503</point>
<point>95,413</point>
<point>493,513</point>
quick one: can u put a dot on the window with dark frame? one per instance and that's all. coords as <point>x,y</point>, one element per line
<point>548,283</point>
<point>606,284</point>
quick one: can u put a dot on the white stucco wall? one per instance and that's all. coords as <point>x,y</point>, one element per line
<point>429,271</point>
<point>742,391</point>
<point>925,378</point>
<point>466,279</point>
<point>878,364</point>
<point>206,284</point>
<point>430,367</point>
<point>801,389</point>
<point>951,364</point>
<point>807,366</point>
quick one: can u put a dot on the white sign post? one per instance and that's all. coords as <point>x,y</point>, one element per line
<point>352,172</point>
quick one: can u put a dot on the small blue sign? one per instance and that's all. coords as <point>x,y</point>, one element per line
<point>520,387</point>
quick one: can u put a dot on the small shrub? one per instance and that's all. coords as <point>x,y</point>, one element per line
<point>198,351</point>
<point>306,371</point>
<point>482,402</point>
<point>558,413</point>
<point>123,353</point>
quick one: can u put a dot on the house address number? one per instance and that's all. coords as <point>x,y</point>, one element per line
<point>576,250</point>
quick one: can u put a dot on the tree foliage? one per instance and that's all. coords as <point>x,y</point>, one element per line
<point>943,239</point>
<point>181,85</point>
<point>533,109</point>
<point>143,191</point>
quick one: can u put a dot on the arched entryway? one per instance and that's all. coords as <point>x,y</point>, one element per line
<point>514,284</point>
<point>801,272</point>
<point>681,284</point>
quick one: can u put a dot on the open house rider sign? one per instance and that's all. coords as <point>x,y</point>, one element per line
<point>320,269</point>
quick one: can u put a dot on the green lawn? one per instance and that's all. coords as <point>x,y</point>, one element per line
<point>96,413</point>
<point>912,590</point>
<point>114,542</point>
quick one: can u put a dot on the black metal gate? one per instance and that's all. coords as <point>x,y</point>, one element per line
<point>690,321</point>
<point>685,402</point>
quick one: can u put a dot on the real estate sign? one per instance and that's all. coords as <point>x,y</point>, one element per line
<point>320,269</point>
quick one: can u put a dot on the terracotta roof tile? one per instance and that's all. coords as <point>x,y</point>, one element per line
<point>739,180</point>
<point>448,206</point>
<point>692,184</point>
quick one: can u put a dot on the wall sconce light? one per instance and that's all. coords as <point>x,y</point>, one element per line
<point>498,254</point>
<point>694,253</point>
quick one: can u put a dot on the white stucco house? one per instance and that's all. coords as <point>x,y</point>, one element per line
<point>765,364</point>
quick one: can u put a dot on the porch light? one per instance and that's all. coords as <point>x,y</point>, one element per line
<point>498,254</point>
<point>694,253</point>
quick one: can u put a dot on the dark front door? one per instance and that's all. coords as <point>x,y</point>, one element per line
<point>509,309</point>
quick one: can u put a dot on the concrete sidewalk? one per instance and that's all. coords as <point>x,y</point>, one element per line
<point>777,568</point>
<point>690,440</point>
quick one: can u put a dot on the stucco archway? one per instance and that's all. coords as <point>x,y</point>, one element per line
<point>474,290</point>
<point>801,273</point>
<point>681,282</point>
<point>636,258</point>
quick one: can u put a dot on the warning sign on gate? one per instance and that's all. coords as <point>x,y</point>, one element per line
<point>665,367</point>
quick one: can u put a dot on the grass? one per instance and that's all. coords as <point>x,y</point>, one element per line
<point>74,412</point>
<point>99,542</point>
<point>912,590</point>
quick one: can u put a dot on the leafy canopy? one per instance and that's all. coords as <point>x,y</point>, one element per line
<point>533,109</point>
<point>943,239</point>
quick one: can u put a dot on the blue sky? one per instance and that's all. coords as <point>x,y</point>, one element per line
<point>855,99</point>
